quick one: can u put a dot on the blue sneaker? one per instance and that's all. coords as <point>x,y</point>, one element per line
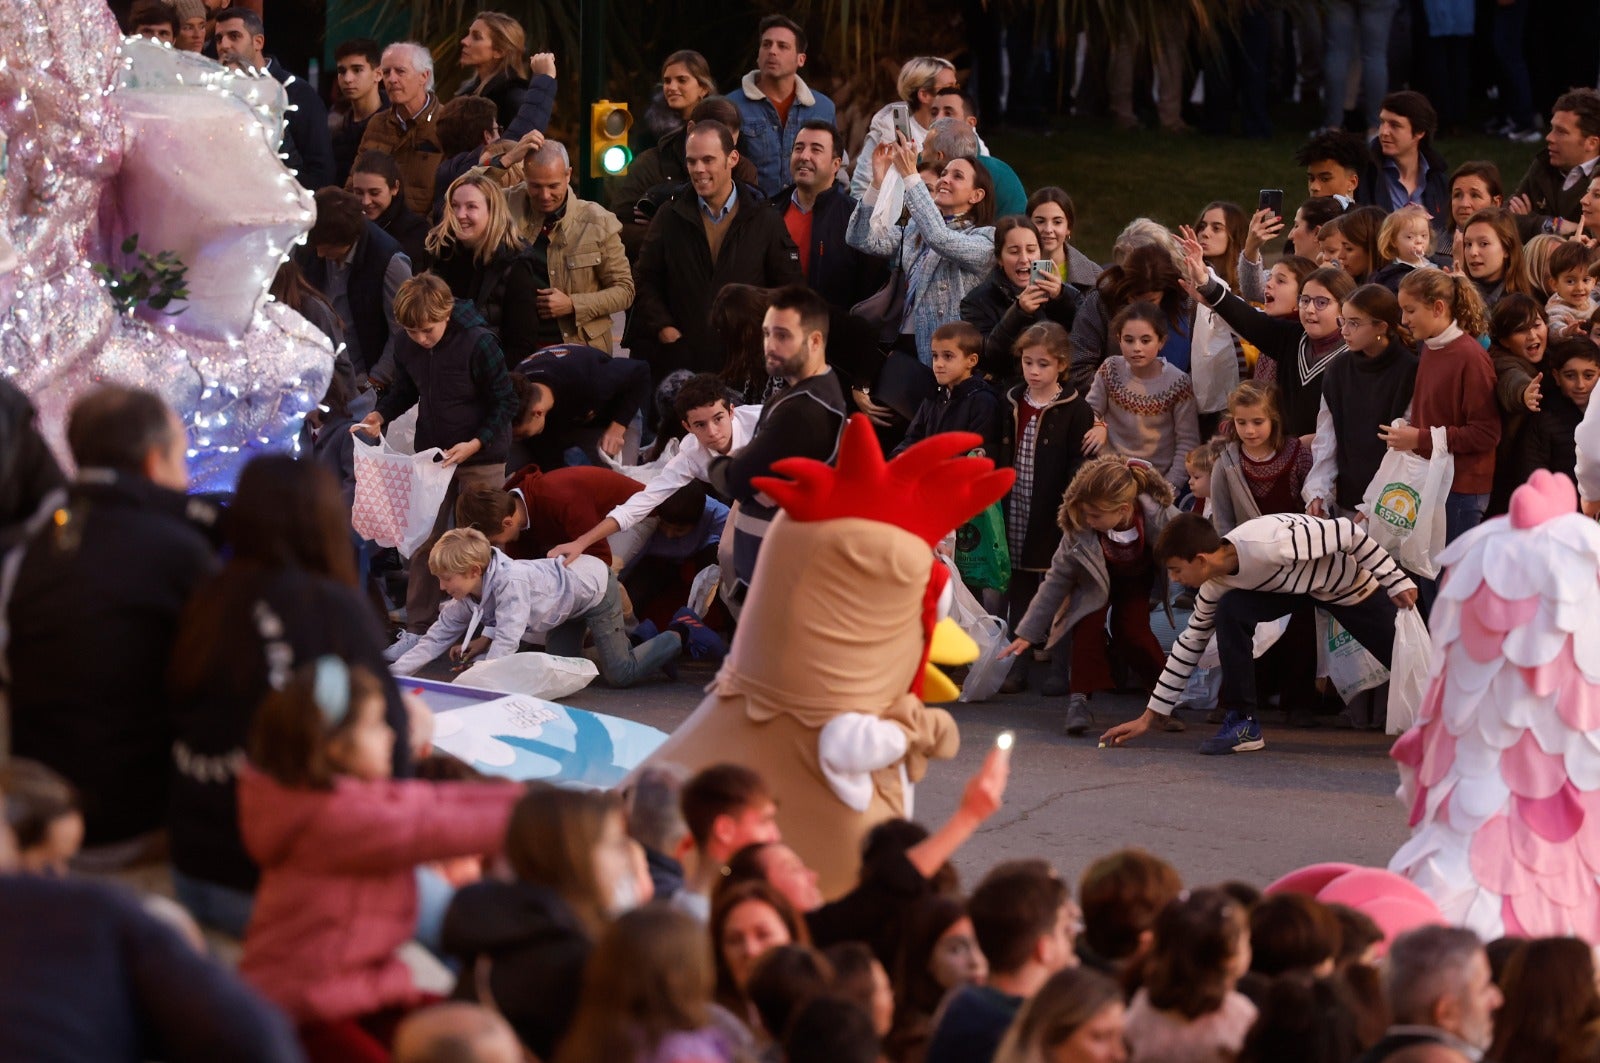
<point>1239,734</point>
<point>700,643</point>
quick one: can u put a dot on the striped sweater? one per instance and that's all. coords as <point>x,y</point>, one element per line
<point>1332,561</point>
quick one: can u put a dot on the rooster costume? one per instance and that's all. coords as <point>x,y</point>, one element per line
<point>821,691</point>
<point>1502,770</point>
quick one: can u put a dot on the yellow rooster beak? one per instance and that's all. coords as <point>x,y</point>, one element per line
<point>950,647</point>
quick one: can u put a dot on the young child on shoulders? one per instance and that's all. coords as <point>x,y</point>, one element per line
<point>543,601</point>
<point>1260,470</point>
<point>338,842</point>
<point>1188,1010</point>
<point>1373,386</point>
<point>1144,407</point>
<point>1043,439</point>
<point>1405,242</point>
<point>1571,285</point>
<point>1455,389</point>
<point>965,401</point>
<point>1304,560</point>
<point>1103,573</point>
<point>1547,440</point>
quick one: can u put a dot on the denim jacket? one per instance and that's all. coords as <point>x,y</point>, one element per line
<point>766,143</point>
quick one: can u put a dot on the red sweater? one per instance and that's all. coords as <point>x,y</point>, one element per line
<point>565,503</point>
<point>1455,389</point>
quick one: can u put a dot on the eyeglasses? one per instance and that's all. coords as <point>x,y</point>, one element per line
<point>1321,302</point>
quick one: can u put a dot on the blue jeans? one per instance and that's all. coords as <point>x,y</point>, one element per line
<point>621,663</point>
<point>218,907</point>
<point>1372,19</point>
<point>1462,513</point>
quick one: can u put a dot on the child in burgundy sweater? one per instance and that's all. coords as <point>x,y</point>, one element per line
<point>1455,389</point>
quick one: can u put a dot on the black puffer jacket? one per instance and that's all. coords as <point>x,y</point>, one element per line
<point>992,309</point>
<point>1057,453</point>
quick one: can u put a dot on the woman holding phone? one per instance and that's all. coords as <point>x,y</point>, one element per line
<point>919,83</point>
<point>1023,289</point>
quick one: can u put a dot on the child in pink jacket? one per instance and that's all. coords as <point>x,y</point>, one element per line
<point>338,842</point>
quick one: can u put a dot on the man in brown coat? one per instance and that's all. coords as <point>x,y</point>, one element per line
<point>577,247</point>
<point>405,129</point>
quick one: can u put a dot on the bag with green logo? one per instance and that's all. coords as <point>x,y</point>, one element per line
<point>982,555</point>
<point>1346,663</point>
<point>1404,505</point>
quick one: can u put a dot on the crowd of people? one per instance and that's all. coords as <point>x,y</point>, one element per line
<point>205,693</point>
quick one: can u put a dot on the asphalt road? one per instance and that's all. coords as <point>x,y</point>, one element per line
<point>1310,796</point>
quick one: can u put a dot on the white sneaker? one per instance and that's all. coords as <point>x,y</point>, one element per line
<point>402,645</point>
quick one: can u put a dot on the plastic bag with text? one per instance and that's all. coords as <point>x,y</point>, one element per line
<point>1411,665</point>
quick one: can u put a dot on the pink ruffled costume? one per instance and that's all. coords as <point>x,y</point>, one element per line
<point>1502,770</point>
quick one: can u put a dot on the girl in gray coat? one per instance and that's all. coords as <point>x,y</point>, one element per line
<point>1104,570</point>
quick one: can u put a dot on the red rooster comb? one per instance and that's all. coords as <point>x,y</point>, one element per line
<point>928,490</point>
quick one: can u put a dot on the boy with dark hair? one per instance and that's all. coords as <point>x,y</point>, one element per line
<point>1023,916</point>
<point>727,807</point>
<point>155,19</point>
<point>1547,442</point>
<point>356,64</point>
<point>1571,288</point>
<point>1121,895</point>
<point>1264,569</point>
<point>964,401</point>
<point>1333,160</point>
<point>536,511</point>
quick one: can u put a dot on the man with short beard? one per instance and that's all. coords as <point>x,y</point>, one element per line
<point>816,211</point>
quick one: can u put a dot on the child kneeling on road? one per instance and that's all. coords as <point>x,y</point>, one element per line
<point>542,601</point>
<point>1264,569</point>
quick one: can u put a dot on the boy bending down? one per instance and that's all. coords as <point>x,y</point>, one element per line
<point>541,601</point>
<point>1262,570</point>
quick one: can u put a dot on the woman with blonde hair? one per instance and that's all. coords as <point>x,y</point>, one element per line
<point>477,250</point>
<point>523,943</point>
<point>918,86</point>
<point>494,49</point>
<point>1076,1017</point>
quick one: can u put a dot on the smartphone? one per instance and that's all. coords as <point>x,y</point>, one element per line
<point>1040,268</point>
<point>1004,741</point>
<point>1271,199</point>
<point>901,113</point>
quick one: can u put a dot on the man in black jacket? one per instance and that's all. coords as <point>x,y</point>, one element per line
<point>1548,197</point>
<point>241,40</point>
<point>593,399</point>
<point>713,234</point>
<point>804,420</point>
<point>816,212</point>
<point>95,611</point>
<point>1405,168</point>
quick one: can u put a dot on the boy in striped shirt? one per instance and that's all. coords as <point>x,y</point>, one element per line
<point>1262,570</point>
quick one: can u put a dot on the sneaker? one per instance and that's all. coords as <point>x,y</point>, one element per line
<point>402,646</point>
<point>699,641</point>
<point>1239,734</point>
<point>1523,136</point>
<point>1079,718</point>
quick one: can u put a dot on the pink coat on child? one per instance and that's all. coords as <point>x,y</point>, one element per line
<point>338,892</point>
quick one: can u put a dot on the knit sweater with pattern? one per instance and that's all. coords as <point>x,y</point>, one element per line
<point>1154,419</point>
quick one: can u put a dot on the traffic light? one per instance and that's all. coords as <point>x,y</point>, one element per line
<point>609,154</point>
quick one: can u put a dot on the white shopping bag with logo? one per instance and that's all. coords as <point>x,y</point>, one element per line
<point>1404,505</point>
<point>1346,663</point>
<point>398,495</point>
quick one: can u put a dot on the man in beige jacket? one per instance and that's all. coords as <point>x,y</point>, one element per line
<point>577,245</point>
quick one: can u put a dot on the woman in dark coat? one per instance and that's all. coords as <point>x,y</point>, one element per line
<point>495,49</point>
<point>1014,296</point>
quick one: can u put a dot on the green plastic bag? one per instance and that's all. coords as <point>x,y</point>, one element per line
<point>982,556</point>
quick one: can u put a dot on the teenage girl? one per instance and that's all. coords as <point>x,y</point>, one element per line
<point>1043,439</point>
<point>1216,356</point>
<point>1105,569</point>
<point>1370,387</point>
<point>338,842</point>
<point>1143,406</point>
<point>1455,389</point>
<point>1354,242</point>
<point>1491,254</point>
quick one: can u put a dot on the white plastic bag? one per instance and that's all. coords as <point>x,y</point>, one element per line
<point>1346,662</point>
<point>538,675</point>
<point>1411,664</point>
<point>1213,360</point>
<point>1268,632</point>
<point>1404,505</point>
<point>649,470</point>
<point>397,495</point>
<point>985,674</point>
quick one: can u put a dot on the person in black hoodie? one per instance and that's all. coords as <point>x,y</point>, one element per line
<point>104,583</point>
<point>1014,296</point>
<point>287,595</point>
<point>816,211</point>
<point>965,402</point>
<point>375,177</point>
<point>523,943</point>
<point>1547,440</point>
<point>1370,385</point>
<point>714,234</point>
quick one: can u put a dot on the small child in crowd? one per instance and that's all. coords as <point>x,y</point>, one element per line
<point>1547,440</point>
<point>41,808</point>
<point>1261,470</point>
<point>338,843</point>
<point>1144,407</point>
<point>1571,287</point>
<point>542,600</point>
<point>1043,439</point>
<point>1198,465</point>
<point>1518,339</point>
<point>1405,240</point>
<point>965,401</point>
<point>1103,571</point>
